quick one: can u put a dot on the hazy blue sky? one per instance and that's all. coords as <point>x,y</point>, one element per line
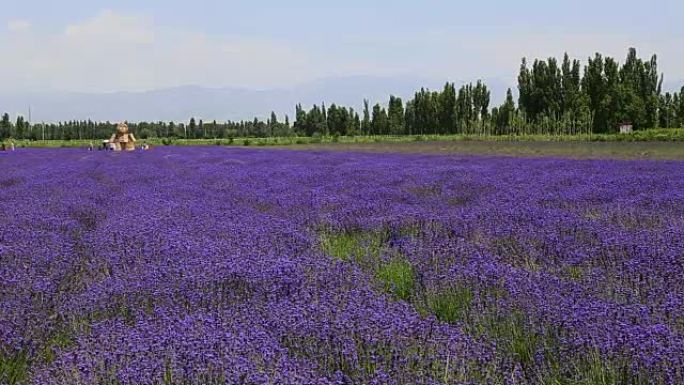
<point>91,45</point>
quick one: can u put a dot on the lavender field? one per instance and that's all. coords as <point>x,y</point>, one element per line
<point>242,266</point>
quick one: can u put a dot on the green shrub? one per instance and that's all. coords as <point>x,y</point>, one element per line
<point>362,247</point>
<point>397,276</point>
<point>316,138</point>
<point>13,369</point>
<point>451,305</point>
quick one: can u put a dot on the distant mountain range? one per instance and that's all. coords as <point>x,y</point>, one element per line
<point>181,103</point>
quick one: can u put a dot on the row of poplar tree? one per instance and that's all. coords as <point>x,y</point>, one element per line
<point>554,98</point>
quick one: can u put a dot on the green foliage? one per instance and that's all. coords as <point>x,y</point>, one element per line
<point>316,138</point>
<point>5,127</point>
<point>521,341</point>
<point>397,277</point>
<point>364,249</point>
<point>451,305</point>
<point>61,339</point>
<point>342,121</point>
<point>379,122</point>
<point>13,368</point>
<point>575,273</point>
<point>395,116</point>
<point>554,99</point>
<point>358,246</point>
<point>502,117</point>
<point>476,309</point>
<point>651,135</point>
<point>593,369</point>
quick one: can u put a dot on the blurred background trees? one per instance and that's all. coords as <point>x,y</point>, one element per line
<point>554,98</point>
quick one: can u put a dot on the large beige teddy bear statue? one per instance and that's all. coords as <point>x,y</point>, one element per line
<point>121,140</point>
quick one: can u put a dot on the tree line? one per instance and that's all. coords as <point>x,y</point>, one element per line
<point>555,97</point>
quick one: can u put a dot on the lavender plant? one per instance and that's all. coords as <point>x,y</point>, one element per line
<point>235,266</point>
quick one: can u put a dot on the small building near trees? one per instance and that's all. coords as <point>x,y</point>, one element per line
<point>626,128</point>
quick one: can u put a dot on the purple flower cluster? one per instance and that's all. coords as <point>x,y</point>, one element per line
<point>230,266</point>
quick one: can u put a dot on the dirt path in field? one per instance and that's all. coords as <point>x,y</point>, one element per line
<point>581,150</point>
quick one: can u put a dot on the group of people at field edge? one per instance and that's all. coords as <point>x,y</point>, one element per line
<point>7,146</point>
<point>106,145</point>
<point>121,140</point>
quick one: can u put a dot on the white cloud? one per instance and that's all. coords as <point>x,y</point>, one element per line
<point>113,52</point>
<point>111,27</point>
<point>18,25</point>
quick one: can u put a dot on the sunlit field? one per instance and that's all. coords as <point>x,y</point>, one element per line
<point>224,265</point>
